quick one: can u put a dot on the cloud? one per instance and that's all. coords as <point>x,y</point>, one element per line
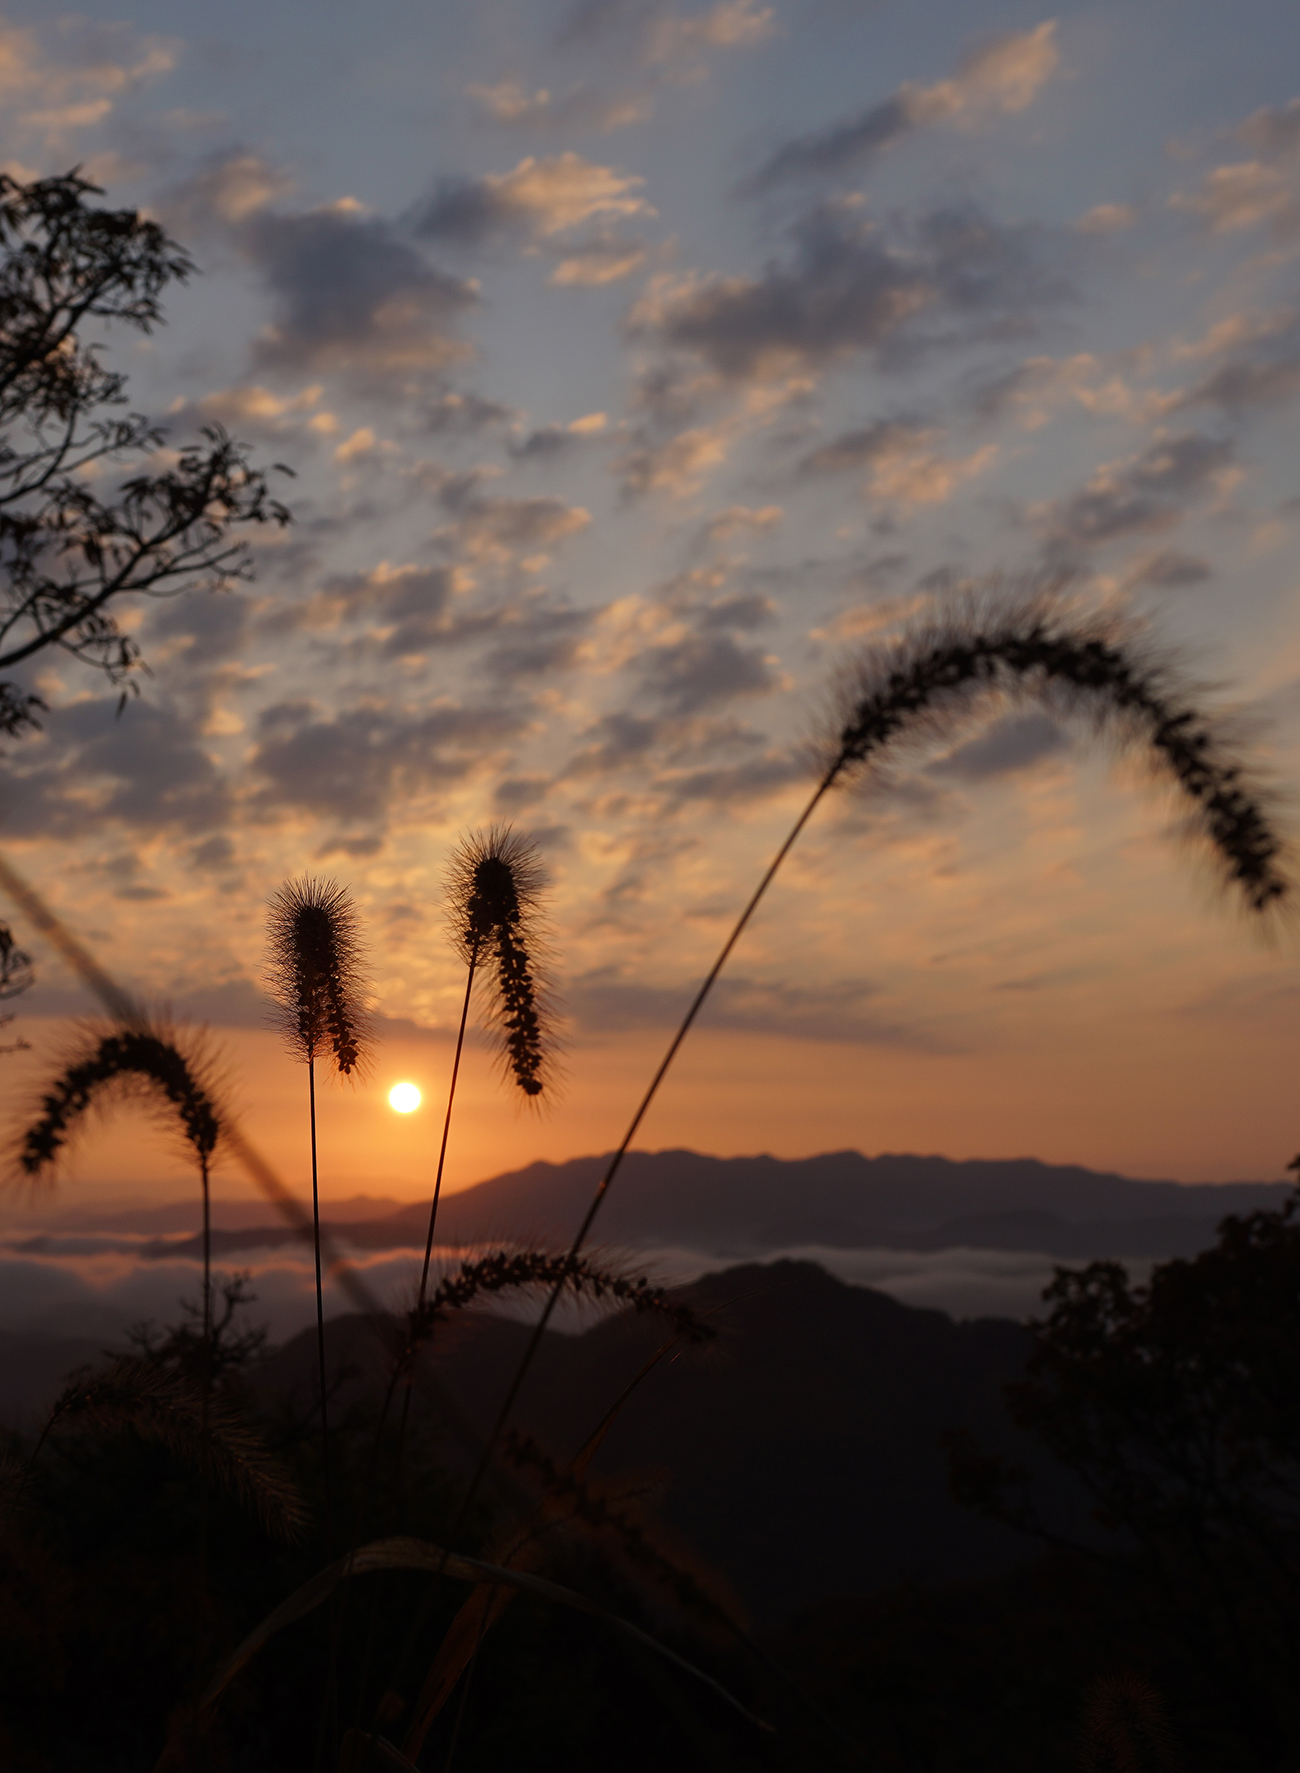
<point>353,294</point>
<point>729,24</point>
<point>677,465</point>
<point>1012,745</point>
<point>497,527</point>
<point>96,64</point>
<point>249,409</point>
<point>672,41</point>
<point>1243,195</point>
<point>539,198</point>
<point>1107,218</point>
<point>846,288</point>
<point>352,765</point>
<point>1140,495</point>
<point>1001,77</point>
<point>901,463</point>
<point>738,520</point>
<point>1170,570</point>
<point>1040,384</point>
<point>550,441</point>
<point>596,262</point>
<point>1263,190</point>
<point>513,105</point>
<point>148,769</point>
<point>705,670</point>
<point>1260,366</point>
<point>605,1002</point>
<point>228,188</point>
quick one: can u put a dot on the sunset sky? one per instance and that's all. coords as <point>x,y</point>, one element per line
<point>636,361</point>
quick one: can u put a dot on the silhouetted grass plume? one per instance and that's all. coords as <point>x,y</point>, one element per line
<point>315,974</point>
<point>1096,667</point>
<point>118,1064</point>
<point>1126,1728</point>
<point>495,882</point>
<point>162,1406</point>
<point>935,674</point>
<point>173,1075</point>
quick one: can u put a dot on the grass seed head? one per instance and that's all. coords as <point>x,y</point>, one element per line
<point>495,882</point>
<point>936,674</point>
<point>315,973</point>
<point>173,1074</point>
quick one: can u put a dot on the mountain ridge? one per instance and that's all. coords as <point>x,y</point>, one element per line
<point>750,1205</point>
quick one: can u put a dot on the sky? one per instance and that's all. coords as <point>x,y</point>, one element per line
<point>637,362</point>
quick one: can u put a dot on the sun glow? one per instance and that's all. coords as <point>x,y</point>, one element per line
<point>404,1097</point>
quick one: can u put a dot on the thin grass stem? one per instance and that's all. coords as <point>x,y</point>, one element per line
<point>320,1315</point>
<point>615,1162</point>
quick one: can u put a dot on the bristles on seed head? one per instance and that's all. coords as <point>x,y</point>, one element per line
<point>315,973</point>
<point>495,882</point>
<point>174,1074</point>
<point>936,673</point>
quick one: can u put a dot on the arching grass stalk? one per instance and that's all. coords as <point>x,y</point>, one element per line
<point>149,1063</point>
<point>934,676</point>
<point>314,956</point>
<point>125,1011</point>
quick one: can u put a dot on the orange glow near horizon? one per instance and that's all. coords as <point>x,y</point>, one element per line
<point>1107,1096</point>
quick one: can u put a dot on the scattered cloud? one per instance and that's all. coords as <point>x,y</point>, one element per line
<point>1001,77</point>
<point>539,198</point>
<point>489,526</point>
<point>593,263</point>
<point>352,294</point>
<point>1014,744</point>
<point>148,769</point>
<point>845,287</point>
<point>78,83</point>
<point>705,670</point>
<point>676,466</point>
<point>1139,495</point>
<point>1170,570</point>
<point>510,103</point>
<point>1264,190</point>
<point>901,462</point>
<point>1039,386</point>
<point>605,1001</point>
<point>352,765</point>
<point>227,188</point>
<point>661,38</point>
<point>1107,218</point>
<point>550,441</point>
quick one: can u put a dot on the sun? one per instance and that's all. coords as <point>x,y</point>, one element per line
<point>404,1097</point>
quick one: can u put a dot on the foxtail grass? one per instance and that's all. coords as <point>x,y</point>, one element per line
<point>173,1075</point>
<point>161,1406</point>
<point>521,1271</point>
<point>493,897</point>
<point>494,887</point>
<point>940,673</point>
<point>1126,1728</point>
<point>315,975</point>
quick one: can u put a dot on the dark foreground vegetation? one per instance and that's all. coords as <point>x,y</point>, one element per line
<point>1147,1618</point>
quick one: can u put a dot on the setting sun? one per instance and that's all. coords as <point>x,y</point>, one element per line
<point>404,1097</point>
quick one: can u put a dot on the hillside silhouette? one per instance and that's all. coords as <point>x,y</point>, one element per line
<point>799,1456</point>
<point>749,1206</point>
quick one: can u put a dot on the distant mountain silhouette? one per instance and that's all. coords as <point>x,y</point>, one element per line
<point>743,1206</point>
<point>800,1453</point>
